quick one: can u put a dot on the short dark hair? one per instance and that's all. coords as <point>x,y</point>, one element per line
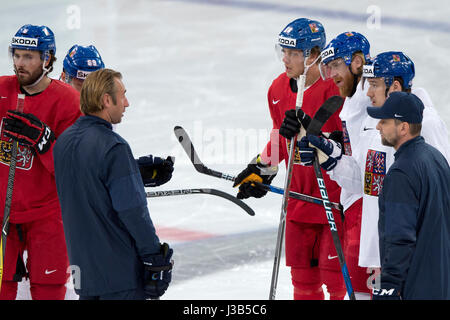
<point>402,83</point>
<point>414,128</point>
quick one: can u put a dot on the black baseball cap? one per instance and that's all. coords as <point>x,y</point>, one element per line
<point>403,106</point>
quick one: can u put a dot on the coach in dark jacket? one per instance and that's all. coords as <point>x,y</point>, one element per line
<point>109,234</point>
<point>414,221</point>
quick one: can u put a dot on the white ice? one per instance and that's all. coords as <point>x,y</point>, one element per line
<point>207,65</point>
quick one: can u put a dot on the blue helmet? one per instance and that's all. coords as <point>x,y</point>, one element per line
<point>31,37</point>
<point>82,60</point>
<point>344,46</point>
<point>391,64</point>
<point>303,34</point>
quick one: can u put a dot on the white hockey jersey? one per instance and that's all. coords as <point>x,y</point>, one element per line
<point>365,170</point>
<point>352,114</point>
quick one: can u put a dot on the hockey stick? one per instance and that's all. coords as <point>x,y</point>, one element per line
<point>188,147</point>
<point>213,192</point>
<point>314,128</point>
<point>287,183</point>
<point>9,191</point>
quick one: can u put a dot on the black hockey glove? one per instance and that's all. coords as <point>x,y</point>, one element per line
<point>29,130</point>
<point>255,171</point>
<point>155,171</point>
<point>158,272</point>
<point>292,123</point>
<point>329,151</point>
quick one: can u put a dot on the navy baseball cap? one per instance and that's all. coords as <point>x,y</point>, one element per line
<point>403,106</point>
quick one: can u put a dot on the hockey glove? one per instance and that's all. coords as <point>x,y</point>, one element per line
<point>29,130</point>
<point>292,123</point>
<point>158,272</point>
<point>329,151</point>
<point>255,171</point>
<point>155,171</point>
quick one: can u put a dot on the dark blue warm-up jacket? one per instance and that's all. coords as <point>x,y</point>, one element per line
<point>104,209</point>
<point>414,223</point>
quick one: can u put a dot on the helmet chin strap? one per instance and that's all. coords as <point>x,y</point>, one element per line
<point>307,66</point>
<point>293,83</point>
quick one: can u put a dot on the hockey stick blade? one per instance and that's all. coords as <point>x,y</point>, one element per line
<point>213,192</point>
<point>326,110</point>
<point>188,147</point>
<point>180,133</point>
<point>186,143</point>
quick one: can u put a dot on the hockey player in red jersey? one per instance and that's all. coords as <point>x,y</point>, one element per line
<point>50,107</point>
<point>310,251</point>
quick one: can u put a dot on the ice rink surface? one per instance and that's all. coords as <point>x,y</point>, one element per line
<point>207,66</point>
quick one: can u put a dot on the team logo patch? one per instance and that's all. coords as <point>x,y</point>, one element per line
<point>347,146</point>
<point>396,58</point>
<point>375,172</point>
<point>24,158</point>
<point>313,27</point>
<point>349,34</point>
<point>72,53</point>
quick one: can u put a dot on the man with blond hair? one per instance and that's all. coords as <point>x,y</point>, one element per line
<point>109,233</point>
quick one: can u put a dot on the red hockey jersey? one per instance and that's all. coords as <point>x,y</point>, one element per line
<point>281,98</point>
<point>34,194</point>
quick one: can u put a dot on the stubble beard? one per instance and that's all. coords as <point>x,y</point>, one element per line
<point>388,143</point>
<point>30,78</point>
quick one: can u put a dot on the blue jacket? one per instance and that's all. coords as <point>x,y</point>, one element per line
<point>414,223</point>
<point>104,208</point>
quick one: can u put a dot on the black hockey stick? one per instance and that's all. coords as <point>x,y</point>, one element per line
<point>188,147</point>
<point>315,128</point>
<point>213,192</point>
<point>321,116</point>
<point>9,191</point>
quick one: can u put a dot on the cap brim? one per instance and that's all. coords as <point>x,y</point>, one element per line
<point>377,113</point>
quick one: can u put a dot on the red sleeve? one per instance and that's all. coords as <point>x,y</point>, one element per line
<point>272,152</point>
<point>66,110</point>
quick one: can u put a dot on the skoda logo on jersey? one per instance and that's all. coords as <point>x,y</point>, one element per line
<point>22,41</point>
<point>82,74</point>
<point>327,53</point>
<point>287,42</point>
<point>368,71</point>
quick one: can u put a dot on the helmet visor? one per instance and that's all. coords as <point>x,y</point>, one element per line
<point>284,53</point>
<point>333,67</point>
